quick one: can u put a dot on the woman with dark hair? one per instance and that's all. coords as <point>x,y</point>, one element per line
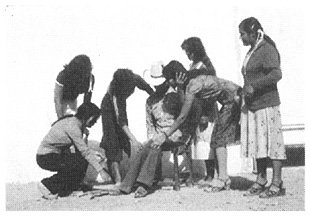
<point>116,134</point>
<point>196,53</point>
<point>74,79</point>
<point>261,127</point>
<point>208,88</point>
<point>54,153</point>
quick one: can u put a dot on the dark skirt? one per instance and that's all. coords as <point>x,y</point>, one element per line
<point>227,128</point>
<point>114,140</point>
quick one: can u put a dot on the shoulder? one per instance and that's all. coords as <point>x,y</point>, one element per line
<point>62,77</point>
<point>195,84</point>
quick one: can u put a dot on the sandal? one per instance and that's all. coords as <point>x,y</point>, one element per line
<point>206,181</point>
<point>273,191</point>
<point>218,185</point>
<point>141,192</point>
<point>256,189</point>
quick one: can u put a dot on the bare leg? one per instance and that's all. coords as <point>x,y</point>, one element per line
<point>221,155</point>
<point>115,172</point>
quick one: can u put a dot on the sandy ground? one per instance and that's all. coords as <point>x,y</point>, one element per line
<point>26,197</point>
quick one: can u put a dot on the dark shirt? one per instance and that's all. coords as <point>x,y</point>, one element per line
<point>263,72</point>
<point>73,85</point>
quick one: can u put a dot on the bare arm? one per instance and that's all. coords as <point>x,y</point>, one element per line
<point>189,99</point>
<point>58,93</point>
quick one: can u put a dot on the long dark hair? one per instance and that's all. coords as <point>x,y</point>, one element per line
<point>78,72</point>
<point>123,82</point>
<point>194,46</point>
<point>252,25</point>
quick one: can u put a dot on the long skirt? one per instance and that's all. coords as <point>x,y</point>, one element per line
<point>261,134</point>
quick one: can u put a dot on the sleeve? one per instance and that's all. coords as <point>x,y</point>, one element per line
<point>194,86</point>
<point>149,121</point>
<point>119,104</point>
<point>60,80</point>
<point>142,84</point>
<point>75,134</point>
<point>271,69</point>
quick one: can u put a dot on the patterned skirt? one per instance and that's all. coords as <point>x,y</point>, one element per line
<point>261,134</point>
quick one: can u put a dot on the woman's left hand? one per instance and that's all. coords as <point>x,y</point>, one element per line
<point>158,140</point>
<point>248,90</point>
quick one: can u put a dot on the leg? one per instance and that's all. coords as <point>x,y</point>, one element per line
<point>114,168</point>
<point>223,182</point>
<point>210,167</point>
<point>276,187</point>
<point>221,155</point>
<point>71,171</point>
<point>261,179</point>
<point>176,170</point>
<point>261,171</point>
<point>189,181</point>
<point>140,170</point>
<point>277,172</point>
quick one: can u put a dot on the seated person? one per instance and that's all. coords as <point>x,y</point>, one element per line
<point>54,153</point>
<point>162,109</point>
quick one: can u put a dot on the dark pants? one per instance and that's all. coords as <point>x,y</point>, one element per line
<point>70,168</point>
<point>142,168</point>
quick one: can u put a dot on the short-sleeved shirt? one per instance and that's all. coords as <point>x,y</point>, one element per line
<point>73,85</point>
<point>212,88</point>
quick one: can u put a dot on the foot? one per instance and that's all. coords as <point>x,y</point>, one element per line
<point>141,192</point>
<point>255,189</point>
<point>116,192</point>
<point>218,185</point>
<point>273,191</point>
<point>206,181</point>
<point>46,193</point>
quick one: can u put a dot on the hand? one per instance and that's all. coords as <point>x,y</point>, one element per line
<point>248,91</point>
<point>105,176</point>
<point>180,78</point>
<point>158,140</point>
<point>100,156</point>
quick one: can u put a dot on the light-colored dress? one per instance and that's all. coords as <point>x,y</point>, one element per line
<point>203,141</point>
<point>261,128</point>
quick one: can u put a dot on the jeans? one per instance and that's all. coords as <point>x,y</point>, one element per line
<point>70,168</point>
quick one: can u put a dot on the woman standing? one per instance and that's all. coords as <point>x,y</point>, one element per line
<point>261,128</point>
<point>208,88</point>
<point>201,150</point>
<point>74,79</point>
<point>116,133</point>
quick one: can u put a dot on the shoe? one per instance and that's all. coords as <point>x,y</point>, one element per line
<point>273,191</point>
<point>206,181</point>
<point>256,189</point>
<point>141,192</point>
<point>46,193</point>
<point>218,185</point>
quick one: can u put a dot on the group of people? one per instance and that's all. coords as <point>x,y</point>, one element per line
<point>183,108</point>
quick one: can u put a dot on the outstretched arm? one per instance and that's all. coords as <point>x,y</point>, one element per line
<point>143,85</point>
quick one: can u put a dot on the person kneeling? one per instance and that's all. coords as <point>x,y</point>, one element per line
<point>54,153</point>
